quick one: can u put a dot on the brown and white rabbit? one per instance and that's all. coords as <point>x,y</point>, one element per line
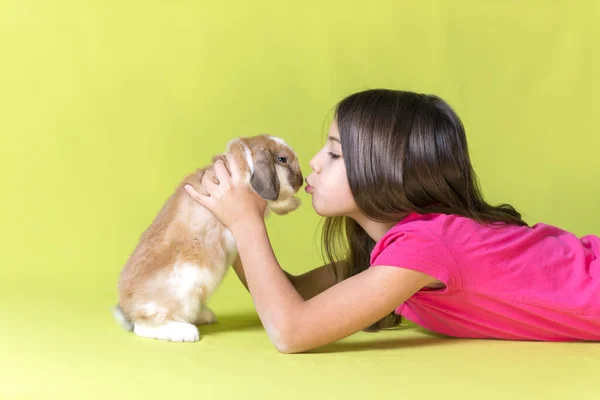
<point>184,254</point>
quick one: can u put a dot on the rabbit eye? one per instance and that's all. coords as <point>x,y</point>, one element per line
<point>282,160</point>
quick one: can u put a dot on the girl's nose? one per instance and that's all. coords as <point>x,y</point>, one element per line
<point>313,165</point>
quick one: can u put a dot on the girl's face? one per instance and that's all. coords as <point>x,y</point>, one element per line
<point>328,182</point>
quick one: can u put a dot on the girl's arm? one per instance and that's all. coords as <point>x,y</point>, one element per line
<point>295,324</point>
<point>309,284</point>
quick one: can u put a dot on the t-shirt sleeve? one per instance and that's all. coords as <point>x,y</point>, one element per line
<point>423,252</point>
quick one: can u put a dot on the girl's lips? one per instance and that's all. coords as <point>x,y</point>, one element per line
<point>309,189</point>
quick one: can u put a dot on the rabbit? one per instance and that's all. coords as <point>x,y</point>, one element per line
<point>185,252</point>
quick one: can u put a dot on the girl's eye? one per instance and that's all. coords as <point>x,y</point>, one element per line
<point>333,155</point>
<point>282,160</point>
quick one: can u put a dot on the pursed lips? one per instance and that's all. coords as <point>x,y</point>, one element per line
<point>308,188</point>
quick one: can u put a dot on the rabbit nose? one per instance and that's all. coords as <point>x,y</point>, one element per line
<point>299,180</point>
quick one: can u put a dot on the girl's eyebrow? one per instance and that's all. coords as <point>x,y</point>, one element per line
<point>333,139</point>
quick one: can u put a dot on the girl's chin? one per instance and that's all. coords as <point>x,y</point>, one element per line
<point>325,213</point>
<point>318,210</point>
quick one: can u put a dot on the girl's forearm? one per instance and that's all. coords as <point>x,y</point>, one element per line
<point>238,267</point>
<point>275,298</point>
<point>239,270</point>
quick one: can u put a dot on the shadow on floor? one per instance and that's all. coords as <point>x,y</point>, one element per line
<point>402,341</point>
<point>232,322</point>
<point>341,347</point>
<point>248,321</point>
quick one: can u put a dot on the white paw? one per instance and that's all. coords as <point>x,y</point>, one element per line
<point>171,331</point>
<point>206,316</point>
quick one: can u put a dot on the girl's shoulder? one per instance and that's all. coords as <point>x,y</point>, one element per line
<point>416,243</point>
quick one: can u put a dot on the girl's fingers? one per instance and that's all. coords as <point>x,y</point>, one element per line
<point>221,172</point>
<point>210,174</point>
<point>234,166</point>
<point>195,195</point>
<point>208,181</point>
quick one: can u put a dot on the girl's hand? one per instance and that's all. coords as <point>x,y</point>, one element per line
<point>231,200</point>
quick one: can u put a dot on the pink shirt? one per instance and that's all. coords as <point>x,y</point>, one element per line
<point>512,282</point>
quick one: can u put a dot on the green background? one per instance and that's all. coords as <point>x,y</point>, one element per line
<point>106,105</point>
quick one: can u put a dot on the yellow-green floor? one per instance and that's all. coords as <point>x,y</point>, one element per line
<point>62,346</point>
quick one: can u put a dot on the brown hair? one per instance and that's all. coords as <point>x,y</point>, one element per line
<point>411,150</point>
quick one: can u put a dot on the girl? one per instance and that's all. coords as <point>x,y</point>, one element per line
<point>395,183</point>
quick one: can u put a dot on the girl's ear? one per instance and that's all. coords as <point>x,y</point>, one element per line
<point>264,180</point>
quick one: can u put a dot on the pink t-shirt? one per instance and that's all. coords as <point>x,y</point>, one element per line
<point>512,282</point>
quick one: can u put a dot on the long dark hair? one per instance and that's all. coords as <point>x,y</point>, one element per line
<point>404,152</point>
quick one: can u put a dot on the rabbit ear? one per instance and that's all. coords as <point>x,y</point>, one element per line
<point>264,180</point>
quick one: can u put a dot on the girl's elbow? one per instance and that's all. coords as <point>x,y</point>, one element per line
<point>286,346</point>
<point>284,339</point>
<point>292,344</point>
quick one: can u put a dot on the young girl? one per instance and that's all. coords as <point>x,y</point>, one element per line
<point>395,182</point>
